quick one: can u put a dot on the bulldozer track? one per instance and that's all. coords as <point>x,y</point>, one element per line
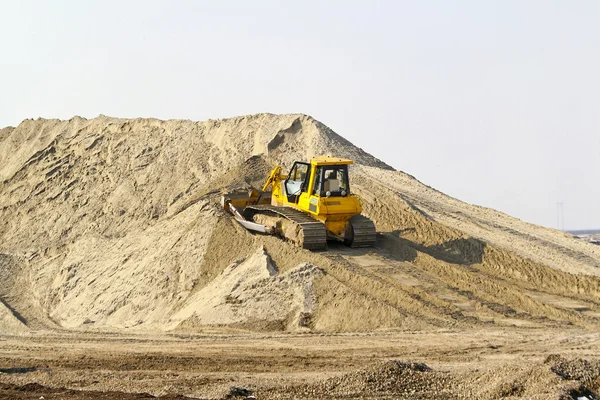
<point>364,232</point>
<point>314,233</point>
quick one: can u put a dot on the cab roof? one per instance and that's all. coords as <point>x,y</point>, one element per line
<point>322,160</point>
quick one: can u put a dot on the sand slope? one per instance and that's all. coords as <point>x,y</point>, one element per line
<point>9,321</point>
<point>252,291</point>
<point>115,224</point>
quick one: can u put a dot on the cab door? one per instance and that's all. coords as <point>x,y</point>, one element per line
<point>297,181</point>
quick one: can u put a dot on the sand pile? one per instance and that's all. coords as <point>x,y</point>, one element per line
<point>114,224</point>
<point>550,247</point>
<point>542,380</point>
<point>383,380</point>
<point>413,380</point>
<point>9,322</point>
<point>252,293</point>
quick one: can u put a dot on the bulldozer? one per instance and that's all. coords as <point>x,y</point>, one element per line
<point>309,206</point>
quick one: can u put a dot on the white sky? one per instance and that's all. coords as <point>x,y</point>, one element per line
<point>494,102</point>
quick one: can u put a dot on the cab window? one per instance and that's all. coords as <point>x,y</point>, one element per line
<point>316,190</point>
<point>332,179</point>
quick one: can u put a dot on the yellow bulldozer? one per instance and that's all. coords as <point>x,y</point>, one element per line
<point>308,206</point>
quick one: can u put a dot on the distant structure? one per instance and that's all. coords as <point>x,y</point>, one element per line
<point>589,235</point>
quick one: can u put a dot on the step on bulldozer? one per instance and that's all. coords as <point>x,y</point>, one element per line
<point>308,206</point>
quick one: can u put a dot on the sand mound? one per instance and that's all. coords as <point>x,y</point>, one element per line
<point>133,280</point>
<point>550,247</point>
<point>587,372</point>
<point>115,224</point>
<point>9,322</point>
<point>393,377</point>
<point>557,377</point>
<point>414,380</point>
<point>252,293</point>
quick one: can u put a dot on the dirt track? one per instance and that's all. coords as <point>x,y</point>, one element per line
<point>210,365</point>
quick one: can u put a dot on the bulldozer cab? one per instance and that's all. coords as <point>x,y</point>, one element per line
<point>297,181</point>
<point>328,181</point>
<point>331,181</point>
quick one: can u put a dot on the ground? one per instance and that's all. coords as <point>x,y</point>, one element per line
<point>218,364</point>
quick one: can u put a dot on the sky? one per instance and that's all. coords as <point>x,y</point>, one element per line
<point>496,103</point>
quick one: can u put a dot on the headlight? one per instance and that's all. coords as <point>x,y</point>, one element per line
<point>328,193</point>
<point>344,193</point>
